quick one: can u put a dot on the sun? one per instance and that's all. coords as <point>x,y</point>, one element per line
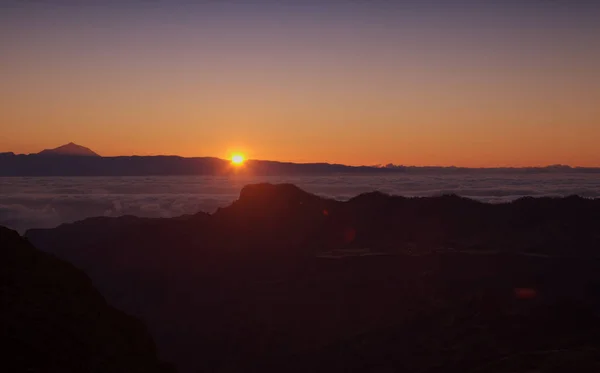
<point>238,159</point>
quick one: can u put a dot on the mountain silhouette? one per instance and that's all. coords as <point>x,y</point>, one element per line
<point>284,280</point>
<point>70,149</point>
<point>53,320</point>
<point>75,160</point>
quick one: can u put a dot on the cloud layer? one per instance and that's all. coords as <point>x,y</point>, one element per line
<point>29,202</point>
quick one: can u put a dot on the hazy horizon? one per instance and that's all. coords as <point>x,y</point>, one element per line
<point>389,164</point>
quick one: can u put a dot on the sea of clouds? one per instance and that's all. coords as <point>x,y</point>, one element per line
<point>45,202</point>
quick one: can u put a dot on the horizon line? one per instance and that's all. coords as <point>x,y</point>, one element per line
<point>390,166</point>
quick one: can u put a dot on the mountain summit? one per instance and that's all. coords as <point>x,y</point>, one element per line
<point>70,149</point>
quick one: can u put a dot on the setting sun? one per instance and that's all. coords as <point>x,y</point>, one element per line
<point>237,159</point>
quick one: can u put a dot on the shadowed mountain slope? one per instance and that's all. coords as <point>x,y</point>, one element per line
<point>53,320</point>
<point>283,280</point>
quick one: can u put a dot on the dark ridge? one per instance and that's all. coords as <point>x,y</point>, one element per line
<point>283,280</point>
<point>75,160</point>
<point>53,320</point>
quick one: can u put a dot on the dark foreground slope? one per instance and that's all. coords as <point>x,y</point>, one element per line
<point>283,280</point>
<point>53,320</point>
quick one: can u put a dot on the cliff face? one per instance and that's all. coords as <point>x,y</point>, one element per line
<point>53,319</point>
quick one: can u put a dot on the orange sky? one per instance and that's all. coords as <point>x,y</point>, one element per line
<point>347,88</point>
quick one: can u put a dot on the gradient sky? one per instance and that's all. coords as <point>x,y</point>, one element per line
<point>469,83</point>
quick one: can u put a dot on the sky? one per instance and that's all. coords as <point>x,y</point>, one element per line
<point>469,83</point>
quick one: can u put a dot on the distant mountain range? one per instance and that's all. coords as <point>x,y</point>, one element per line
<point>76,160</point>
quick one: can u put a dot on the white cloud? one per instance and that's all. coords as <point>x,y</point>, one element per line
<point>47,202</point>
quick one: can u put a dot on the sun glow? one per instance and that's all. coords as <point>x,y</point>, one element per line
<point>238,159</point>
